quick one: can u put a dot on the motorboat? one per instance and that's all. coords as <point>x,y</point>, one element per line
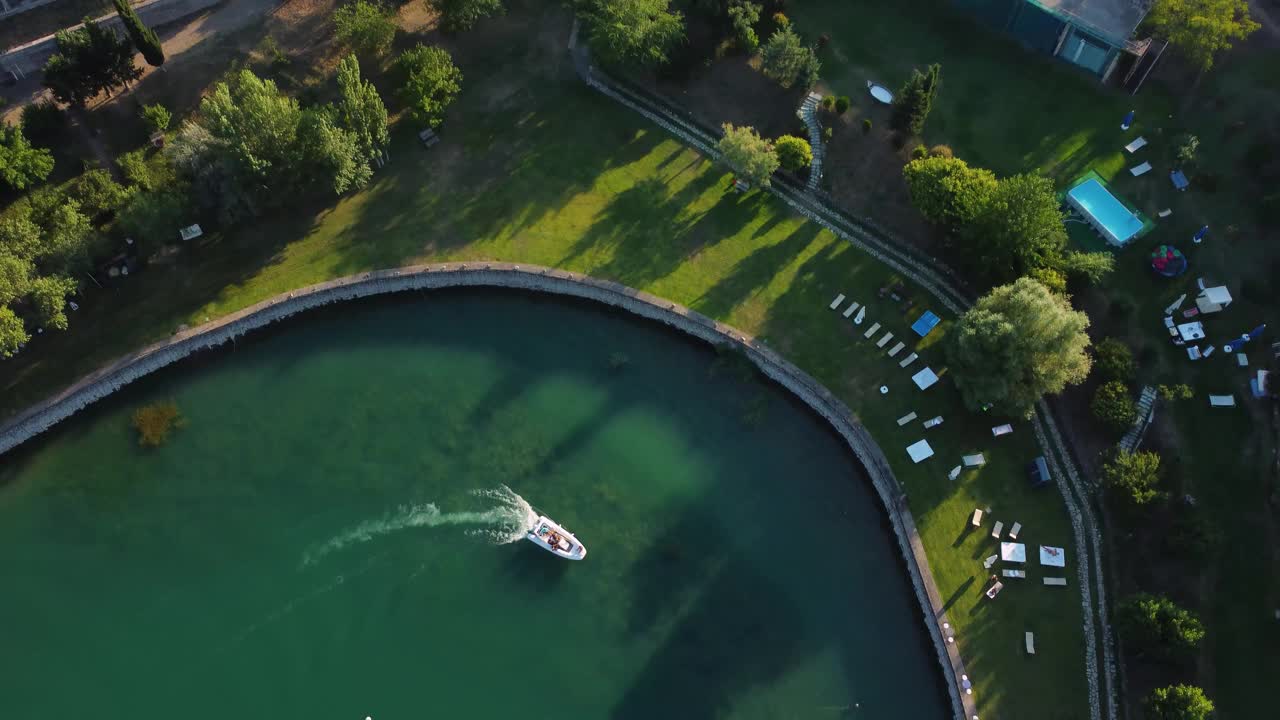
<point>554,538</point>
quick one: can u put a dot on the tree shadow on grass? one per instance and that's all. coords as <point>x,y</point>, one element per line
<point>754,272</point>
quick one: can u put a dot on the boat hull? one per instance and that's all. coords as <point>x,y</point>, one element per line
<point>552,537</point>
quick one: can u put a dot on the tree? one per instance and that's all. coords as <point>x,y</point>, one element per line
<point>1133,479</point>
<point>99,194</point>
<point>1179,702</point>
<point>913,102</point>
<point>19,235</point>
<point>1020,227</point>
<point>362,111</point>
<point>144,38</point>
<point>49,300</point>
<point>1188,145</point>
<point>793,153</point>
<point>151,218</point>
<point>464,14</point>
<point>788,61</point>
<point>947,191</point>
<point>44,123</point>
<point>1202,28</point>
<point>1089,267</point>
<point>1114,407</point>
<point>1154,625</point>
<point>748,154</point>
<point>1114,360</point>
<point>431,82</point>
<point>332,153</point>
<point>633,32</point>
<point>90,59</point>
<point>366,27</point>
<point>744,15</point>
<point>15,276</point>
<point>67,232</point>
<point>156,116</point>
<point>21,164</point>
<point>255,127</point>
<point>12,332</point>
<point>1018,343</point>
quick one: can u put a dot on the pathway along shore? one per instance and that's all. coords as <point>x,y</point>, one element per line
<point>211,335</point>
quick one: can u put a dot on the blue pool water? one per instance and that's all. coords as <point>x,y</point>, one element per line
<point>1104,211</point>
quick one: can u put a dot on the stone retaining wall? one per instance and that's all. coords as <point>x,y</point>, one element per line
<point>524,277</point>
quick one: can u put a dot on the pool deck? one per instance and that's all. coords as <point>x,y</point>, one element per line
<point>217,333</point>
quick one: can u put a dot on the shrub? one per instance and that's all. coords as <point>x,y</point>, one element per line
<point>829,103</point>
<point>842,104</point>
<point>464,14</point>
<point>941,151</point>
<point>1179,702</point>
<point>155,422</point>
<point>1133,479</point>
<point>152,218</point>
<point>793,153</point>
<point>1113,406</point>
<point>866,125</point>
<point>1187,146</point>
<point>1175,392</point>
<point>744,15</point>
<point>1114,360</point>
<point>98,193</point>
<point>156,117</point>
<point>1050,278</point>
<point>750,156</point>
<point>786,59</point>
<point>827,133</point>
<point>44,123</point>
<point>133,165</point>
<point>781,20</point>
<point>1155,625</point>
<point>366,27</point>
<point>1191,536</point>
<point>919,152</point>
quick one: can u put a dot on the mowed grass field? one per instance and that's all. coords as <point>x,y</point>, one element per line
<point>538,169</point>
<point>1012,110</point>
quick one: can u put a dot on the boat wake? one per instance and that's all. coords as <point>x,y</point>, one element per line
<point>505,521</point>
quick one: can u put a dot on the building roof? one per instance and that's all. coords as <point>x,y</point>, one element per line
<point>1113,19</point>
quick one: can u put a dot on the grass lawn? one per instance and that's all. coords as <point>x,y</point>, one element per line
<point>1013,110</point>
<point>554,174</point>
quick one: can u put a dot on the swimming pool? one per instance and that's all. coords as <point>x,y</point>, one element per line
<point>1104,212</point>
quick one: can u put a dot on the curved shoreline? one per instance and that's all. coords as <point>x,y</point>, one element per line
<point>126,370</point>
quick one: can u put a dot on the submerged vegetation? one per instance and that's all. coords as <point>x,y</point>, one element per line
<point>156,421</point>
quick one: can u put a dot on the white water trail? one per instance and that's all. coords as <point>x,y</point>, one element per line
<point>505,521</point>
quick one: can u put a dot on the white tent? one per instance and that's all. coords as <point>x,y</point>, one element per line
<point>919,451</point>
<point>1211,300</point>
<point>924,378</point>
<point>1013,552</point>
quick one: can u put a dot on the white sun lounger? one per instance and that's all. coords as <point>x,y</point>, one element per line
<point>932,422</point>
<point>1222,400</point>
<point>908,360</point>
<point>906,419</point>
<point>853,307</point>
<point>871,330</point>
<point>977,518</point>
<point>1022,574</point>
<point>974,460</point>
<point>995,531</point>
<point>1136,145</point>
<point>896,349</point>
<point>1013,531</point>
<point>955,473</point>
<point>1142,169</point>
<point>1165,212</point>
<point>885,340</point>
<point>999,430</point>
<point>1031,643</point>
<point>836,303</point>
<point>1057,582</point>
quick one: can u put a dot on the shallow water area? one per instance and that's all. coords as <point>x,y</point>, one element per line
<point>335,533</point>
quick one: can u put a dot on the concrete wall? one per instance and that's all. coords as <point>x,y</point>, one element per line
<point>30,58</point>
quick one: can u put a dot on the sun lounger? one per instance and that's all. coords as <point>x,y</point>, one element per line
<point>871,330</point>
<point>885,340</point>
<point>999,430</point>
<point>1209,350</point>
<point>1136,145</point>
<point>995,531</point>
<point>1222,400</point>
<point>1193,352</point>
<point>995,590</point>
<point>908,360</point>
<point>906,419</point>
<point>1020,574</point>
<point>933,422</point>
<point>1031,643</point>
<point>1057,582</point>
<point>955,473</point>
<point>1165,213</point>
<point>986,564</point>
<point>896,349</point>
<point>1142,169</point>
<point>1013,531</point>
<point>974,460</point>
<point>1242,360</point>
<point>836,303</point>
<point>977,518</point>
<point>853,307</point>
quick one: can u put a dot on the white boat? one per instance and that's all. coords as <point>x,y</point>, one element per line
<point>552,537</point>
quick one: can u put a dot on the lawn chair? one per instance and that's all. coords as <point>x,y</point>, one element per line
<point>906,419</point>
<point>1136,145</point>
<point>1055,582</point>
<point>995,531</point>
<point>1031,643</point>
<point>933,422</point>
<point>853,307</point>
<point>995,590</point>
<point>1013,531</point>
<point>1142,169</point>
<point>999,430</point>
<point>1019,574</point>
<point>836,303</point>
<point>977,518</point>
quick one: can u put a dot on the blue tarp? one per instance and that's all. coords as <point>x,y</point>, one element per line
<point>1178,179</point>
<point>926,323</point>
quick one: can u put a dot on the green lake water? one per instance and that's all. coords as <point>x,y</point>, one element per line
<point>324,537</point>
